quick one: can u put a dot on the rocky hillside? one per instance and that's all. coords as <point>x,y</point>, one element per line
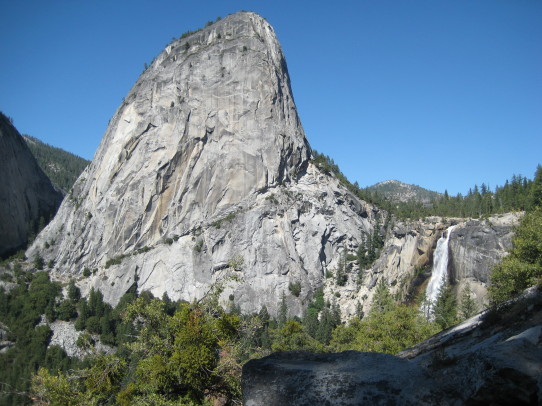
<point>27,197</point>
<point>62,167</point>
<point>406,260</point>
<point>396,191</point>
<point>203,174</point>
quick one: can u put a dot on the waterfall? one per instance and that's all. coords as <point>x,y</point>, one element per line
<point>440,267</point>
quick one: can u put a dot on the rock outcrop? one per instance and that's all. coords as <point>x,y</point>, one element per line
<point>406,260</point>
<point>65,336</point>
<point>494,358</point>
<point>475,247</point>
<point>347,378</point>
<point>204,172</point>
<point>26,194</point>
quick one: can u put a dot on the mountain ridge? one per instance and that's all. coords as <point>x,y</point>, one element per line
<point>397,191</point>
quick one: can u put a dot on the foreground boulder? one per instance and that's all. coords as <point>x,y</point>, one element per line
<point>347,378</point>
<point>494,358</point>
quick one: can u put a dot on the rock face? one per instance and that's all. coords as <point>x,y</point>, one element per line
<point>26,194</point>
<point>204,172</point>
<point>475,247</point>
<point>347,378</point>
<point>494,358</point>
<point>65,335</point>
<point>406,260</point>
<point>204,176</point>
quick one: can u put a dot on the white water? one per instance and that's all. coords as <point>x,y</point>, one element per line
<point>440,267</point>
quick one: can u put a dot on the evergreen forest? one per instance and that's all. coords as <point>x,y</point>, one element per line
<point>62,167</point>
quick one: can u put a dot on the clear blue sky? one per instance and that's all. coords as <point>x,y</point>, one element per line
<point>443,94</point>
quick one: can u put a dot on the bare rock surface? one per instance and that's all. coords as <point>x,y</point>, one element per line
<point>65,336</point>
<point>347,378</point>
<point>203,173</point>
<point>494,358</point>
<point>26,193</point>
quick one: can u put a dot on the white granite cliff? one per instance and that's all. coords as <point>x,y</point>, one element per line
<point>204,175</point>
<point>203,172</point>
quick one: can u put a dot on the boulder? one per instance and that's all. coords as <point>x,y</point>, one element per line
<point>347,378</point>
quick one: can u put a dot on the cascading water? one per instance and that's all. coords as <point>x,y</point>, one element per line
<point>440,266</point>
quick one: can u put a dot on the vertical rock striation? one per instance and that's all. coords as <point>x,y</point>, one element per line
<point>205,171</point>
<point>204,174</point>
<point>26,193</point>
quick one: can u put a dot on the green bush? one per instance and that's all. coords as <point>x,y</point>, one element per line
<point>295,288</point>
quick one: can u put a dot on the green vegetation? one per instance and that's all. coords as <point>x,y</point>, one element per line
<point>295,288</point>
<point>445,307</point>
<point>516,194</point>
<point>369,248</point>
<point>388,330</point>
<point>522,268</point>
<point>228,218</point>
<point>63,168</point>
<point>116,260</point>
<point>20,311</point>
<point>174,352</point>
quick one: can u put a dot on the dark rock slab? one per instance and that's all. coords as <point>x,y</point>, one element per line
<point>347,378</point>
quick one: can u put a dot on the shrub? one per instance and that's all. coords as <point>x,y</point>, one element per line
<point>295,288</point>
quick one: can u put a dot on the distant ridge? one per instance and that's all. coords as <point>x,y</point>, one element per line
<point>397,191</point>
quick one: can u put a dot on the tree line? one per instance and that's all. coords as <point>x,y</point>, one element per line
<point>514,195</point>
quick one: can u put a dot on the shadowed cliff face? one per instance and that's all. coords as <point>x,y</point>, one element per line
<point>26,194</point>
<point>204,172</point>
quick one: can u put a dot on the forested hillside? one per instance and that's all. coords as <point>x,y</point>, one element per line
<point>396,191</point>
<point>514,195</point>
<point>62,167</point>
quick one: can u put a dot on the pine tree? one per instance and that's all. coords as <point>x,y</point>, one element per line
<point>282,316</point>
<point>342,276</point>
<point>445,309</point>
<point>468,306</point>
<point>382,299</point>
<point>74,293</point>
<point>536,189</point>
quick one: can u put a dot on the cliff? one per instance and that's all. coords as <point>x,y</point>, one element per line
<point>204,174</point>
<point>27,197</point>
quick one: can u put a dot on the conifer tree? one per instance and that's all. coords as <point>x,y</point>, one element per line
<point>468,306</point>
<point>445,308</point>
<point>282,316</point>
